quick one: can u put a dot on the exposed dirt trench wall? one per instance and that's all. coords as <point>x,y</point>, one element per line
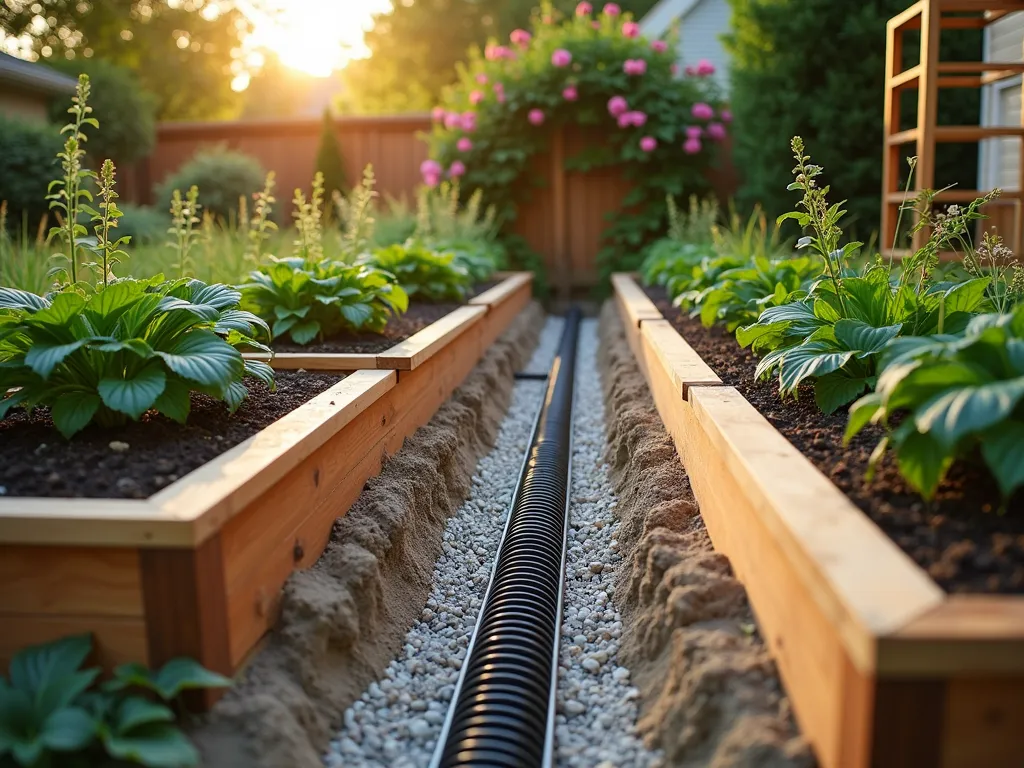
<point>710,692</point>
<point>344,619</point>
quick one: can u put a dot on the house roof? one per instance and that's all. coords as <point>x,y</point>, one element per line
<point>664,14</point>
<point>27,75</point>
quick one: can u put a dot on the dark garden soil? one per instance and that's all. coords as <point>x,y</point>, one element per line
<point>960,537</point>
<point>398,329</point>
<point>137,460</point>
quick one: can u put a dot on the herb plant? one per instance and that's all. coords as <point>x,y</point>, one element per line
<point>424,275</point>
<point>445,226</point>
<point>958,395</point>
<point>53,712</point>
<point>306,296</point>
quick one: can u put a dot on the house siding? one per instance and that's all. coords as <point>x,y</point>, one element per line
<point>699,36</point>
<point>1001,158</point>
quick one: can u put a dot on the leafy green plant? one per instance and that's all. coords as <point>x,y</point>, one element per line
<point>958,396</point>
<point>833,334</point>
<point>306,296</point>
<point>444,225</point>
<point>53,712</point>
<point>424,275</point>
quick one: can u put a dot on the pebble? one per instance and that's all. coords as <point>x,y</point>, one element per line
<point>380,732</point>
<point>118,446</point>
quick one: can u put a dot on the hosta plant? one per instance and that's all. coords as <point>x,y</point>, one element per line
<point>958,396</point>
<point>307,296</point>
<point>423,273</point>
<point>111,349</point>
<point>55,713</point>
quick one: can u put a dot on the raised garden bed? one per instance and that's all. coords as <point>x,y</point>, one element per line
<point>196,568</point>
<point>400,350</point>
<point>883,666</point>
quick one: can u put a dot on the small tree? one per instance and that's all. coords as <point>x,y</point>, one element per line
<point>328,157</point>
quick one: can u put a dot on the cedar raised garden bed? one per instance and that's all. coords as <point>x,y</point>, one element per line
<point>883,667</point>
<point>196,569</point>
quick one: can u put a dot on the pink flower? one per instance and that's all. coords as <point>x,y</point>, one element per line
<point>464,144</point>
<point>612,9</point>
<point>499,92</point>
<point>570,93</point>
<point>481,78</point>
<point>498,52</point>
<point>452,121</point>
<point>705,67</point>
<point>561,58</point>
<point>625,120</point>
<point>617,106</point>
<point>438,114</point>
<point>432,179</point>
<point>648,143</point>
<point>692,146</point>
<point>536,116</point>
<point>725,115</point>
<point>475,97</point>
<point>659,46</point>
<point>631,29</point>
<point>690,71</point>
<point>595,24</point>
<point>639,119</point>
<point>520,37</point>
<point>716,131</point>
<point>694,132</point>
<point>431,172</point>
<point>634,66</point>
<point>702,111</point>
<point>457,169</point>
<point>584,9</point>
<point>469,121</point>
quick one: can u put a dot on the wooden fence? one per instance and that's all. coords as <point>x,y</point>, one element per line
<point>563,220</point>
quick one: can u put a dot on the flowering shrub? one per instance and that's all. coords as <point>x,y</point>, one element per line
<point>594,70</point>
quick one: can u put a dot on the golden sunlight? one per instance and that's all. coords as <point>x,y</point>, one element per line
<point>313,36</point>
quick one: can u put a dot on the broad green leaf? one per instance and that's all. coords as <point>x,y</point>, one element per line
<point>42,358</point>
<point>923,462</point>
<point>106,306</point>
<point>72,411</point>
<point>809,360</point>
<point>169,681</point>
<point>356,314</point>
<point>175,401</point>
<point>967,296</point>
<point>18,720</point>
<point>234,394</point>
<point>836,390</point>
<point>861,414</point>
<point>17,299</point>
<point>1002,447</point>
<point>282,326</point>
<point>203,357</point>
<point>966,410</point>
<point>134,711</point>
<point>62,311</point>
<point>68,730</point>
<point>261,371</point>
<point>305,332</point>
<point>50,674</point>
<point>135,346</point>
<point>862,338</point>
<point>217,295</point>
<point>135,395</point>
<point>157,745</point>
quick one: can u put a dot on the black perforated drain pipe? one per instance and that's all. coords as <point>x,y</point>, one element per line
<point>503,711</point>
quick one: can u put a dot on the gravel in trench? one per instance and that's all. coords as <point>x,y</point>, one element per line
<point>397,720</point>
<point>597,704</point>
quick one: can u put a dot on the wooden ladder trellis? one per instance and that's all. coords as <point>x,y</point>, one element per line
<point>928,76</point>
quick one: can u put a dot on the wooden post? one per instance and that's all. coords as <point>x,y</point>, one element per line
<point>927,103</point>
<point>891,151</point>
<point>563,279</point>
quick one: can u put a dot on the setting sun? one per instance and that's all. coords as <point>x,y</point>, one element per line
<point>314,36</point>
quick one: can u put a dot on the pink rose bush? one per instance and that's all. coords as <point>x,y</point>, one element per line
<point>595,71</point>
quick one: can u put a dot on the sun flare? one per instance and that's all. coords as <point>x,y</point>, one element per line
<point>314,36</point>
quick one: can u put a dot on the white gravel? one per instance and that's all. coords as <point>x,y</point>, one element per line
<point>398,719</point>
<point>597,705</point>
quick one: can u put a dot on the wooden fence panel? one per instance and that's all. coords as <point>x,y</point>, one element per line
<point>563,218</point>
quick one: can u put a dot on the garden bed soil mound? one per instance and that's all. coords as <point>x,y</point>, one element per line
<point>711,692</point>
<point>137,460</point>
<point>960,538</point>
<point>344,619</point>
<point>398,329</point>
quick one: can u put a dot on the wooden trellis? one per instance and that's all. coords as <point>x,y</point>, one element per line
<point>928,76</point>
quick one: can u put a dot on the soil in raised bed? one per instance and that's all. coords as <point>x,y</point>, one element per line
<point>398,329</point>
<point>137,460</point>
<point>960,537</point>
<point>711,692</point>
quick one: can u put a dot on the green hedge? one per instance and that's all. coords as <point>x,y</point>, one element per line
<point>28,162</point>
<point>816,68</point>
<point>222,175</point>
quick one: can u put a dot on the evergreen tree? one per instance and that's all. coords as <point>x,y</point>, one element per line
<point>328,157</point>
<point>816,68</point>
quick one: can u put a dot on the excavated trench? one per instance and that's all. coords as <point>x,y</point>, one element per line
<point>641,626</point>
